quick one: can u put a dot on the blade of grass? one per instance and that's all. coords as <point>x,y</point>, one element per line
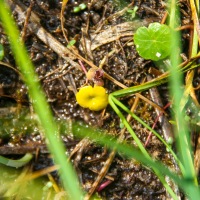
<point>124,121</point>
<point>182,134</point>
<point>187,185</point>
<point>155,82</point>
<point>16,163</point>
<point>117,102</point>
<point>40,105</point>
<point>141,147</point>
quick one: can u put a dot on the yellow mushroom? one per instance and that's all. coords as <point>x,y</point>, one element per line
<point>95,98</point>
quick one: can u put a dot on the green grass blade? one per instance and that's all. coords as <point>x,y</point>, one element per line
<point>140,145</point>
<point>124,121</point>
<point>139,88</point>
<point>187,185</point>
<point>16,163</point>
<point>40,104</point>
<point>175,79</point>
<point>117,102</point>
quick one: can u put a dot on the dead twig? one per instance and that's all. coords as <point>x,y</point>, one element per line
<point>195,18</point>
<point>166,126</point>
<point>197,156</point>
<point>28,14</point>
<point>62,20</point>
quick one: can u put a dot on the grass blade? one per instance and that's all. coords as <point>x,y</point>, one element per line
<point>175,79</point>
<point>40,104</point>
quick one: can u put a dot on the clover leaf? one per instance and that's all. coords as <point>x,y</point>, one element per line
<point>154,42</point>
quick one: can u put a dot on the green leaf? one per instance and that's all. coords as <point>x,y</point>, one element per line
<point>71,43</point>
<point>76,9</point>
<point>133,12</point>
<point>82,6</point>
<point>154,42</point>
<point>1,52</point>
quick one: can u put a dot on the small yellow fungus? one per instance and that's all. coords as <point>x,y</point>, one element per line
<point>95,98</point>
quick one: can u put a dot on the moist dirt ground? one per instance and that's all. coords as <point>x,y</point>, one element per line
<point>103,34</point>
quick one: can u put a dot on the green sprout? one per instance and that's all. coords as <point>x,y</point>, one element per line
<point>76,9</point>
<point>132,12</point>
<point>79,8</point>
<point>1,52</point>
<point>71,43</point>
<point>82,6</point>
<point>154,42</point>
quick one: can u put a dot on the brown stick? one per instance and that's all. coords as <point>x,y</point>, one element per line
<point>166,126</point>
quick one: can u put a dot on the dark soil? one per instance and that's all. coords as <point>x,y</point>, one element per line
<point>61,78</point>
